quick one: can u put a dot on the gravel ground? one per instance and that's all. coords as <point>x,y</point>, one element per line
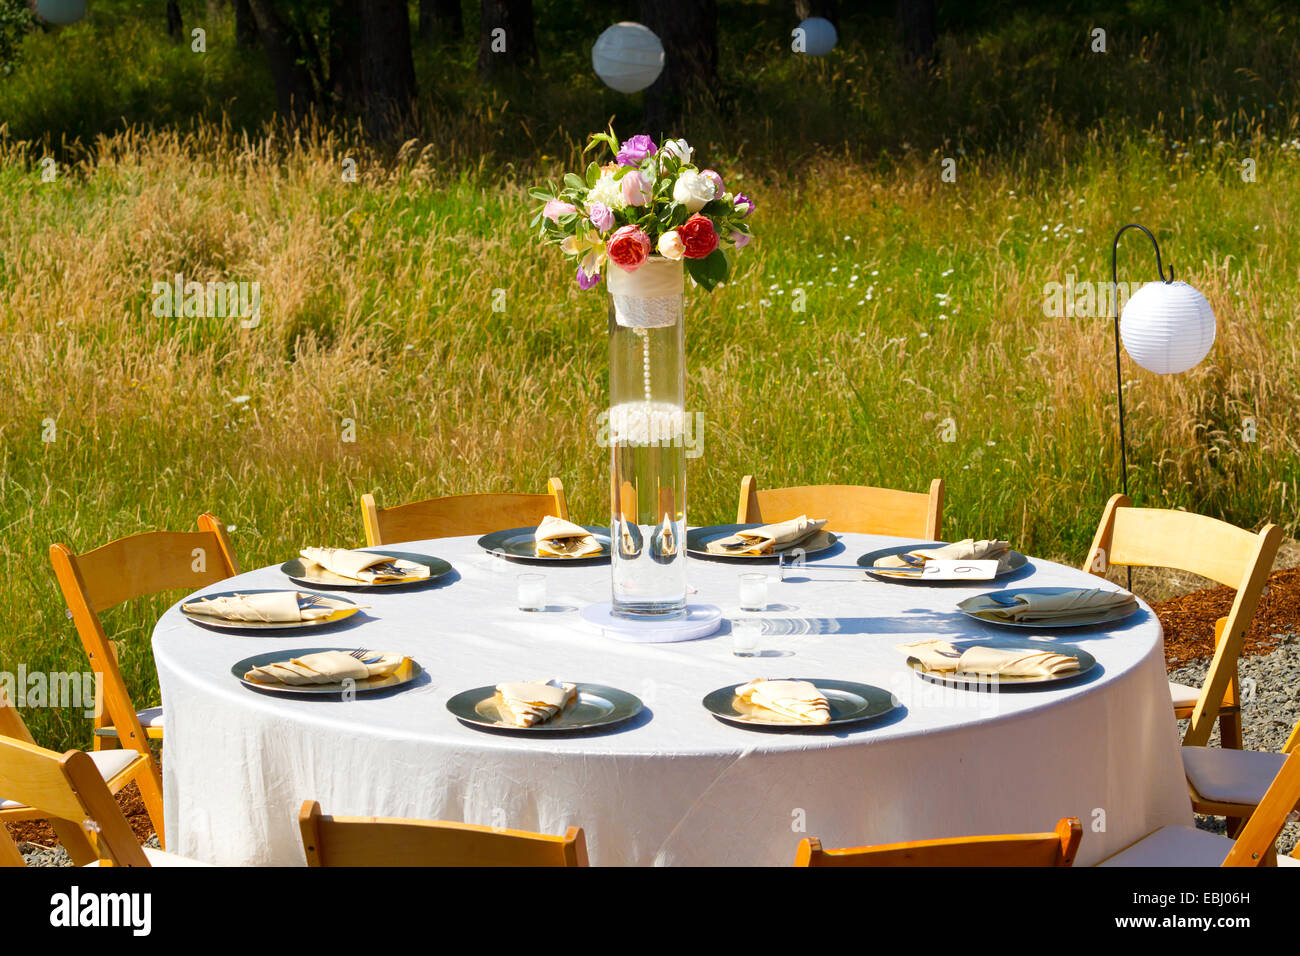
<point>1267,717</point>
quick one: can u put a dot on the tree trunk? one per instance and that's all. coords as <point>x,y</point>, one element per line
<point>506,36</point>
<point>441,20</point>
<point>826,9</point>
<point>916,29</point>
<point>689,32</point>
<point>245,26</point>
<point>345,55</point>
<point>387,70</point>
<point>284,53</point>
<point>175,28</point>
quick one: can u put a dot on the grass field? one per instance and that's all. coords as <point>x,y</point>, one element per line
<point>923,320</point>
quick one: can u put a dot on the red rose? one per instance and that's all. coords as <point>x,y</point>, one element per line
<point>698,236</point>
<point>629,248</point>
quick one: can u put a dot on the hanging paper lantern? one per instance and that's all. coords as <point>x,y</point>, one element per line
<point>818,35</point>
<point>628,57</point>
<point>1167,327</point>
<point>60,12</point>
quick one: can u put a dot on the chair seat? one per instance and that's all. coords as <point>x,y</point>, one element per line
<point>159,858</point>
<point>109,763</point>
<point>1287,861</point>
<point>1238,777</point>
<point>1182,695</point>
<point>151,718</point>
<point>1174,846</point>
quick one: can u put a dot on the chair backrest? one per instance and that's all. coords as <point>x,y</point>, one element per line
<point>847,508</point>
<point>1024,849</point>
<point>1222,552</point>
<point>1254,843</point>
<point>126,569</point>
<point>375,841</point>
<point>68,789</point>
<point>460,514</point>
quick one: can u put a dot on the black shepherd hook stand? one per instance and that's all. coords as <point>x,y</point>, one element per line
<point>1119,374</point>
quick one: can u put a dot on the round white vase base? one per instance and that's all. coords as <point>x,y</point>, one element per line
<point>701,620</point>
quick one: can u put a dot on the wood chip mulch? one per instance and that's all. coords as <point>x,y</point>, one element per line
<point>42,834</point>
<point>1189,619</point>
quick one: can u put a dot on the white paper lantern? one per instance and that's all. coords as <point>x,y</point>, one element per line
<point>60,12</point>
<point>1167,327</point>
<point>818,34</point>
<point>628,57</point>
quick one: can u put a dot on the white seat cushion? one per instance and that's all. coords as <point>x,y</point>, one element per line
<point>109,763</point>
<point>1231,776</point>
<point>150,717</point>
<point>159,858</point>
<point>1287,861</point>
<point>1174,846</point>
<point>1182,695</point>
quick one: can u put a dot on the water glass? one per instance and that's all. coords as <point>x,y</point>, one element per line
<point>530,589</point>
<point>744,637</point>
<point>753,591</point>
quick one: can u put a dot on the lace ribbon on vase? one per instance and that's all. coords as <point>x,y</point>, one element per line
<point>647,312</point>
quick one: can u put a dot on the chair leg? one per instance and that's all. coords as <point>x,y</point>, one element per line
<point>1230,736</point>
<point>149,780</point>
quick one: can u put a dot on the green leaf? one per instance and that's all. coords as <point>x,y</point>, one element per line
<point>593,174</point>
<point>574,182</point>
<point>543,194</point>
<point>709,271</point>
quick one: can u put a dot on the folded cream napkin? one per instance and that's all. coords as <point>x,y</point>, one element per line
<point>364,566</point>
<point>525,703</point>
<point>270,607</point>
<point>557,538</point>
<point>939,656</point>
<point>966,550</point>
<point>323,667</point>
<point>770,538</point>
<point>792,700</point>
<point>1077,604</point>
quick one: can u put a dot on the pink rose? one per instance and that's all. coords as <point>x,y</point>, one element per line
<point>718,188</point>
<point>555,208</point>
<point>636,189</point>
<point>629,248</point>
<point>601,216</point>
<point>740,240</point>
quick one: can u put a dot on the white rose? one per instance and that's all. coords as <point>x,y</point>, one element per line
<point>679,148</point>
<point>693,190</point>
<point>607,191</point>
<point>671,246</point>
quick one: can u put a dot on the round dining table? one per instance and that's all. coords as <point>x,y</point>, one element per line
<point>674,785</point>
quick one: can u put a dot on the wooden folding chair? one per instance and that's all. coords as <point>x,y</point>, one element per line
<point>1254,846</point>
<point>67,789</point>
<point>1022,849</point>
<point>121,571</point>
<point>1150,537</point>
<point>116,767</point>
<point>460,514</point>
<point>847,508</point>
<point>376,841</point>
<point>1232,783</point>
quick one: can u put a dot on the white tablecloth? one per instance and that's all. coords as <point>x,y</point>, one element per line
<point>676,786</point>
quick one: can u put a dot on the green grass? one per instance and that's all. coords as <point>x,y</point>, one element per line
<point>377,308</point>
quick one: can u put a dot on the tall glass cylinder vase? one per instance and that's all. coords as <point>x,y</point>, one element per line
<point>647,418</point>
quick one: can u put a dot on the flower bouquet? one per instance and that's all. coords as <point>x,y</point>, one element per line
<point>649,199</point>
